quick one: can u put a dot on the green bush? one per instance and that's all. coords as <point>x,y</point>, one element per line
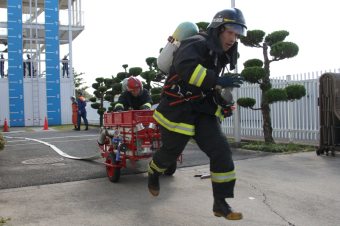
<point>275,95</point>
<point>277,148</point>
<point>156,98</point>
<point>253,74</point>
<point>101,111</point>
<point>2,142</point>
<point>276,36</point>
<point>93,99</point>
<point>253,63</point>
<point>295,92</point>
<point>102,89</point>
<point>156,90</point>
<point>95,105</point>
<point>246,102</point>
<point>100,79</point>
<point>108,97</point>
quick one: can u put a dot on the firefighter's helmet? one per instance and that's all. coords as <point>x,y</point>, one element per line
<point>133,83</point>
<point>233,17</point>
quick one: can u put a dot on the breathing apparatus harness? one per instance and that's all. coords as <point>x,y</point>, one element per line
<point>178,95</point>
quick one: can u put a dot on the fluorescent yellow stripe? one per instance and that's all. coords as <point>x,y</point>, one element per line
<point>119,105</point>
<point>223,177</point>
<point>153,165</point>
<point>219,114</point>
<point>175,127</point>
<point>198,76</point>
<point>147,104</point>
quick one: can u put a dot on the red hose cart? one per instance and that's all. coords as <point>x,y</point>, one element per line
<point>129,135</point>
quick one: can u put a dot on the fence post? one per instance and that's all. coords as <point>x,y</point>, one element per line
<point>290,114</point>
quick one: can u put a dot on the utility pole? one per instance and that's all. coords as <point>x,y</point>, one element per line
<point>236,114</point>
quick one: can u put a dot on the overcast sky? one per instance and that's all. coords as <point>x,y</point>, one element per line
<point>127,32</point>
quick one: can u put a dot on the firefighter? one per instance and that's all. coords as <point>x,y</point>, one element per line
<point>135,97</point>
<point>81,111</point>
<point>74,112</point>
<point>189,107</point>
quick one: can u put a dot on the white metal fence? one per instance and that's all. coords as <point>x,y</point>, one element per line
<point>294,120</point>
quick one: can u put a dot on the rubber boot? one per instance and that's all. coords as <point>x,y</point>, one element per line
<point>75,128</point>
<point>78,128</point>
<point>87,128</point>
<point>153,184</point>
<point>222,209</point>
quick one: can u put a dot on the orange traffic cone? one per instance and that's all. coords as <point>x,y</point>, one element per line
<point>5,127</point>
<point>46,125</point>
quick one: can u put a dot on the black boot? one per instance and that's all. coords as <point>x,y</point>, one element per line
<point>87,128</point>
<point>153,184</point>
<point>222,209</point>
<point>78,128</point>
<point>75,128</point>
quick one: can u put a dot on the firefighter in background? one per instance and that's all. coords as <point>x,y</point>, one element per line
<point>81,111</point>
<point>189,107</point>
<point>74,112</point>
<point>134,98</point>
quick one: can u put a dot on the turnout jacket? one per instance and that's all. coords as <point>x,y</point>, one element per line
<point>128,102</point>
<point>193,74</point>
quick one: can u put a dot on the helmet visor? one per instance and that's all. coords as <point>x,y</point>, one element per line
<point>237,28</point>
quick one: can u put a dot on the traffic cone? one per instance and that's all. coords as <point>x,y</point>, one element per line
<point>46,125</point>
<point>5,127</point>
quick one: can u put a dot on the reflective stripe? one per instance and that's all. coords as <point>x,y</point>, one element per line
<point>175,127</point>
<point>219,114</point>
<point>198,76</point>
<point>117,105</point>
<point>223,177</point>
<point>153,165</point>
<point>149,169</point>
<point>147,104</point>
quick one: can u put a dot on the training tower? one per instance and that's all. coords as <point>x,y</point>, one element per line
<point>36,42</point>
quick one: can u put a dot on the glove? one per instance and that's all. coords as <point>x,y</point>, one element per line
<point>229,81</point>
<point>145,107</point>
<point>119,108</point>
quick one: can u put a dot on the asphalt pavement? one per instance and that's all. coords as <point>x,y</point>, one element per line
<point>282,189</point>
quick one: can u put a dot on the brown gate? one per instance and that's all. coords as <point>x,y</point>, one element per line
<point>329,105</point>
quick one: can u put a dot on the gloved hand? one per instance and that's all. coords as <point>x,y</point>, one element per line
<point>119,109</point>
<point>145,107</point>
<point>229,81</point>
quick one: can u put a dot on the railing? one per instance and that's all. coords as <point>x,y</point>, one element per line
<point>295,120</point>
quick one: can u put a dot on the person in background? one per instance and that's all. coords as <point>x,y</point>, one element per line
<point>30,66</point>
<point>65,66</point>
<point>81,111</point>
<point>2,66</point>
<point>134,98</point>
<point>74,112</point>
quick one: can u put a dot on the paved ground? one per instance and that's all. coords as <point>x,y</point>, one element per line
<point>291,189</point>
<point>294,189</point>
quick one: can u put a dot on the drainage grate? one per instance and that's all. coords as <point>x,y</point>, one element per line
<point>42,161</point>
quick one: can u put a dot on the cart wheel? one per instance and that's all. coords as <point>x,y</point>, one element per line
<point>171,169</point>
<point>112,172</point>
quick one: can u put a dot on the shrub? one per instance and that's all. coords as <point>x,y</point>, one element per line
<point>2,143</point>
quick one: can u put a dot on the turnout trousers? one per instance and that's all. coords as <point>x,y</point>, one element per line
<point>212,141</point>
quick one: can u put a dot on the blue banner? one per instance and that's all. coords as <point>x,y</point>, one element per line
<point>52,62</point>
<point>15,63</point>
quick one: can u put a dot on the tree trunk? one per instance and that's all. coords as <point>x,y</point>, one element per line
<point>267,122</point>
<point>101,107</point>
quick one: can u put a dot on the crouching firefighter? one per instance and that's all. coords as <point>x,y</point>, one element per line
<point>190,107</point>
<point>134,98</point>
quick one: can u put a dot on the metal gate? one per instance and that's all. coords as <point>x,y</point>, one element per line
<point>329,105</point>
